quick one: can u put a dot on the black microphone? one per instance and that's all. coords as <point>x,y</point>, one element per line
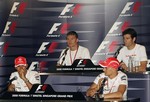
<point>11,80</point>
<point>63,55</point>
<point>102,85</point>
<point>100,91</point>
<point>65,52</point>
<point>118,51</point>
<point>6,86</point>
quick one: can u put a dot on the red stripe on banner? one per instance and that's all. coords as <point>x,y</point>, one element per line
<point>6,45</point>
<point>22,7</point>
<point>64,28</point>
<point>112,46</point>
<point>136,6</point>
<point>52,47</point>
<point>76,9</point>
<point>125,26</point>
<point>13,27</point>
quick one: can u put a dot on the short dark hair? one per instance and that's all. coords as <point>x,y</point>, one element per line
<point>130,31</point>
<point>72,33</point>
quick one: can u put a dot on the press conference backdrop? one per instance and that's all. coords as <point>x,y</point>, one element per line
<point>37,29</point>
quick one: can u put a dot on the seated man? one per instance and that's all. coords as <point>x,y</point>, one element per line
<point>73,52</point>
<point>116,82</point>
<point>24,78</point>
<point>132,50</point>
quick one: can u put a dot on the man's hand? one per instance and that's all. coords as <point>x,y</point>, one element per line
<point>123,65</point>
<point>93,88</point>
<point>22,74</point>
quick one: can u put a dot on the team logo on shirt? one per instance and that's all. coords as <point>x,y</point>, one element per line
<point>123,78</point>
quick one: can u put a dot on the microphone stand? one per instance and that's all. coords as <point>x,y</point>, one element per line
<point>64,56</point>
<point>118,51</point>
<point>7,85</point>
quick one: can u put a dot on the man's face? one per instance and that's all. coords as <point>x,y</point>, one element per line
<point>108,71</point>
<point>72,41</point>
<point>21,67</point>
<point>128,41</point>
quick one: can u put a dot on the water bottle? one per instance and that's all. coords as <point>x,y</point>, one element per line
<point>130,64</point>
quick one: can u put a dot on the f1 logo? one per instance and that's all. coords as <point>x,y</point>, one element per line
<point>102,46</point>
<point>63,29</point>
<point>80,62</point>
<point>66,9</point>
<point>128,7</point>
<point>43,47</point>
<point>54,28</point>
<point>10,26</point>
<point>18,6</point>
<point>41,89</point>
<point>115,27</point>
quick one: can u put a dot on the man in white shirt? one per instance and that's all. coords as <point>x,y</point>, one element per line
<point>74,51</point>
<point>115,84</point>
<point>133,50</point>
<point>23,78</point>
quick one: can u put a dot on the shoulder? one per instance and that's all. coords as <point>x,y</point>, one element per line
<point>102,75</point>
<point>140,46</point>
<point>122,75</point>
<point>83,48</point>
<point>14,73</point>
<point>33,72</point>
<point>123,48</point>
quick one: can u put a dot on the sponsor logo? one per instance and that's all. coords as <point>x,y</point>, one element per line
<point>9,28</point>
<point>70,10</point>
<point>118,28</point>
<point>4,47</point>
<point>123,78</point>
<point>41,89</point>
<point>58,27</point>
<point>82,63</point>
<point>130,8</point>
<point>17,9</point>
<point>102,46</point>
<point>46,48</point>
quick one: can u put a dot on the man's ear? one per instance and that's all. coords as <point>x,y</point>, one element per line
<point>134,39</point>
<point>77,40</point>
<point>26,65</point>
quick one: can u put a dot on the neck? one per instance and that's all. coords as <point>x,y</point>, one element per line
<point>74,48</point>
<point>113,75</point>
<point>131,47</point>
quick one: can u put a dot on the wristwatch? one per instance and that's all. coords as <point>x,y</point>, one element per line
<point>26,80</point>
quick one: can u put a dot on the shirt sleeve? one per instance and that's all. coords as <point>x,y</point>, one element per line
<point>119,57</point>
<point>123,80</point>
<point>11,77</point>
<point>143,55</point>
<point>86,54</point>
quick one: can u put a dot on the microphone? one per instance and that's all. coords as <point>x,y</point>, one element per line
<point>102,85</point>
<point>118,51</point>
<point>100,91</point>
<point>65,52</point>
<point>63,55</point>
<point>11,80</point>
